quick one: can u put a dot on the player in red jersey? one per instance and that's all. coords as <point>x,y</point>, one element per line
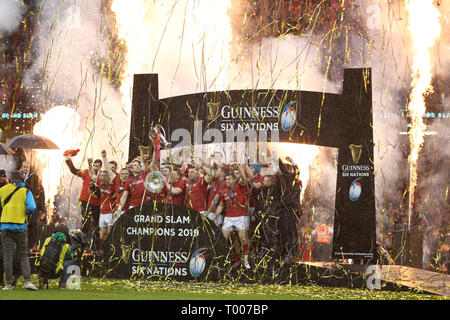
<point>134,189</point>
<point>124,175</point>
<point>196,189</point>
<point>234,200</point>
<point>111,169</point>
<point>89,196</point>
<point>216,187</point>
<point>175,187</point>
<point>108,198</point>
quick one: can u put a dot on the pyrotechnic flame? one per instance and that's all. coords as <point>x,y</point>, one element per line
<point>59,124</point>
<point>205,23</point>
<point>424,27</point>
<point>213,34</point>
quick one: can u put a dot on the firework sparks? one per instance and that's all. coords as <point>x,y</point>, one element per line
<point>60,124</point>
<point>422,40</point>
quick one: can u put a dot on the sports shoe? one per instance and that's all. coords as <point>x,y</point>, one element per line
<point>246,264</point>
<point>30,286</point>
<point>7,287</point>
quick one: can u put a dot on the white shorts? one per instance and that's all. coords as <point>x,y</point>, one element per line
<point>106,220</point>
<point>235,223</point>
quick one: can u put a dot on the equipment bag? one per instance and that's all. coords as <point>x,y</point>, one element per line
<point>50,258</point>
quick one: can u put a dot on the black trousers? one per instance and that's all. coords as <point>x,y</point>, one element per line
<point>288,229</point>
<point>91,212</point>
<point>276,231</point>
<point>266,237</point>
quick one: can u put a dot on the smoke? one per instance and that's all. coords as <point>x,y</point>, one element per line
<point>442,58</point>
<point>11,12</point>
<point>290,63</point>
<point>322,187</point>
<point>185,44</point>
<point>70,55</point>
<point>387,50</point>
<point>434,182</point>
<point>193,51</point>
<point>69,60</point>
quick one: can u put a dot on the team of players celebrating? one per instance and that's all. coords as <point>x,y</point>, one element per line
<point>236,197</point>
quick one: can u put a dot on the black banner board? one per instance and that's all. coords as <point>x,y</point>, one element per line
<point>342,121</point>
<point>165,241</point>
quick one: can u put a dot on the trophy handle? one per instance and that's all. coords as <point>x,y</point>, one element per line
<point>162,135</point>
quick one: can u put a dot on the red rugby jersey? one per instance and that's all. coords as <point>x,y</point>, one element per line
<point>253,191</point>
<point>235,200</point>
<point>86,194</point>
<point>108,197</point>
<point>178,199</point>
<point>137,192</point>
<point>120,188</point>
<point>196,194</point>
<point>217,187</point>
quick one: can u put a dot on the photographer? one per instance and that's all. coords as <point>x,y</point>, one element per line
<point>57,255</point>
<point>17,206</point>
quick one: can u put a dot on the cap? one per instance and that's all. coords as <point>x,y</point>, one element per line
<point>255,166</point>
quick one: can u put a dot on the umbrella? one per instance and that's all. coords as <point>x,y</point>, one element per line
<point>4,149</point>
<point>31,141</point>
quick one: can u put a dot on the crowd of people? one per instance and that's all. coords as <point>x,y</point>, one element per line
<point>258,214</point>
<point>252,210</point>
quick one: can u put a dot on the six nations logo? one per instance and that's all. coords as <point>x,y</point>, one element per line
<point>355,190</point>
<point>288,116</point>
<point>197,263</point>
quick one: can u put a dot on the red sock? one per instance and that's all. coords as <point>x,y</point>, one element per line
<point>237,257</point>
<point>245,249</point>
